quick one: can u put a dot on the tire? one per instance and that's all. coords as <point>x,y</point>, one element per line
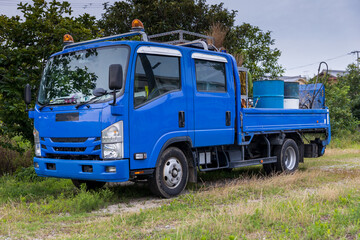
<point>90,185</point>
<point>227,170</point>
<point>269,168</point>
<point>171,175</point>
<point>287,157</point>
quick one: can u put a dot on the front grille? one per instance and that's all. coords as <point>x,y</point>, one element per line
<point>69,140</point>
<point>97,147</point>
<point>73,157</point>
<point>69,149</point>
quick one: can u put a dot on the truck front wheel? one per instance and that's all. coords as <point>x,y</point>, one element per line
<point>287,156</point>
<point>171,175</point>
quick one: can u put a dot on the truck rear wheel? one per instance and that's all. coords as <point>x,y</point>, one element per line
<point>287,156</point>
<point>90,185</point>
<point>269,168</point>
<point>171,175</point>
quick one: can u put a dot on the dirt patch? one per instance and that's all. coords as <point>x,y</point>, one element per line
<point>133,206</point>
<point>136,205</point>
<point>342,166</point>
<point>349,164</point>
<point>339,151</point>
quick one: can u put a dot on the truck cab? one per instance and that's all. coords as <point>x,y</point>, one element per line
<point>114,111</point>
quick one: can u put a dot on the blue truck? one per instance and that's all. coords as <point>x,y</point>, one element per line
<point>115,110</point>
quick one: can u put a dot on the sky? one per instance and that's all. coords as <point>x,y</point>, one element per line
<point>305,31</point>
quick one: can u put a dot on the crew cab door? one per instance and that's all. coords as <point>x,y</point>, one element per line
<point>214,100</point>
<point>157,108</point>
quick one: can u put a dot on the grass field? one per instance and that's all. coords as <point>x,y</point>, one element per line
<point>320,201</point>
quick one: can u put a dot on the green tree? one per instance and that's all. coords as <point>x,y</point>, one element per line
<point>256,48</point>
<point>254,45</point>
<point>341,118</point>
<point>352,79</point>
<point>339,100</point>
<point>25,45</point>
<point>164,15</point>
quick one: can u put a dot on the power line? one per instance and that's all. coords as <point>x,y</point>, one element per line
<point>311,64</point>
<point>90,4</point>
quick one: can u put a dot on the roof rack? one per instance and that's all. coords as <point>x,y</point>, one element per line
<point>144,38</point>
<point>181,36</point>
<point>195,43</point>
<point>181,41</point>
<point>199,43</point>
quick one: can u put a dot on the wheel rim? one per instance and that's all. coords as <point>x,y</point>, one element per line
<point>290,158</point>
<point>172,172</point>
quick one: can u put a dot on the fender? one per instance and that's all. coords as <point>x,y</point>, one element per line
<point>172,141</point>
<point>192,164</point>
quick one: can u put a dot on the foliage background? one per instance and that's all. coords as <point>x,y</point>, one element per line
<point>342,99</point>
<point>26,43</point>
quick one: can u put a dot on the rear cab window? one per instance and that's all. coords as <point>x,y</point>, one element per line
<point>210,72</point>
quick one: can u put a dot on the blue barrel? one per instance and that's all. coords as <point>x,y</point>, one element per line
<point>291,95</point>
<point>268,94</point>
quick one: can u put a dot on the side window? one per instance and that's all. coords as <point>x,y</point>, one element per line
<point>154,76</point>
<point>210,76</point>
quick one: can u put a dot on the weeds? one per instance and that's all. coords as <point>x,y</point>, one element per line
<point>320,201</point>
<point>346,140</point>
<point>52,196</point>
<point>27,175</point>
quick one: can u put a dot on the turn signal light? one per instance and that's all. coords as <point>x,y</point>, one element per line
<point>137,25</point>
<point>68,39</point>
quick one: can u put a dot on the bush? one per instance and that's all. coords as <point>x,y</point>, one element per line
<point>341,118</point>
<point>14,154</point>
<point>28,175</point>
<point>345,139</point>
<point>355,108</point>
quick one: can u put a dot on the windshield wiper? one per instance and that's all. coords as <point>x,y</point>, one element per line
<point>48,104</point>
<point>98,92</point>
<point>44,105</point>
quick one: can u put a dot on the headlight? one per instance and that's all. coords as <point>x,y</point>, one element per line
<point>112,141</point>
<point>37,143</point>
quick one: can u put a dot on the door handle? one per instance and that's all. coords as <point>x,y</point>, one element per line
<point>228,118</point>
<point>181,119</point>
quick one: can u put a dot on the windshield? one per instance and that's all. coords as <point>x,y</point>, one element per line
<point>71,78</point>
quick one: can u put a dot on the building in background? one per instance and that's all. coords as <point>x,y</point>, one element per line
<point>299,79</point>
<point>334,74</point>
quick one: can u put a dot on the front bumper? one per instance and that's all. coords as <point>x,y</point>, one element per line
<point>73,169</point>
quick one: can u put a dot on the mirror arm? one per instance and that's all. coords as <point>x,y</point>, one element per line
<point>114,101</point>
<point>28,109</point>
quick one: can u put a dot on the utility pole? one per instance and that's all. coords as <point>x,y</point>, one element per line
<point>357,57</point>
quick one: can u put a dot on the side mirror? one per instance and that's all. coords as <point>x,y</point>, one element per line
<point>115,79</point>
<point>98,92</point>
<point>115,76</point>
<point>27,95</point>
